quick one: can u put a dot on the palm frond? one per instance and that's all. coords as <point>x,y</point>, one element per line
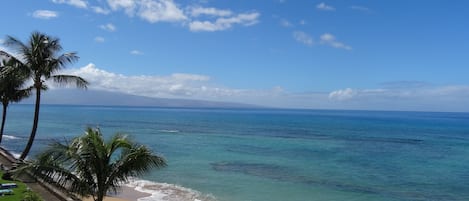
<point>5,54</point>
<point>118,141</point>
<point>67,58</point>
<point>134,162</point>
<point>16,44</point>
<point>70,79</point>
<point>13,76</point>
<point>86,166</point>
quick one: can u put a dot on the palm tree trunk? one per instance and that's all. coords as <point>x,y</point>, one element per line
<point>100,196</point>
<point>35,122</point>
<point>4,117</point>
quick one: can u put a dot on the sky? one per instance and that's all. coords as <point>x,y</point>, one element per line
<point>355,54</point>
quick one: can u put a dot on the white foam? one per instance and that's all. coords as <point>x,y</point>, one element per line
<point>10,137</point>
<point>169,131</point>
<point>167,192</point>
<point>16,155</point>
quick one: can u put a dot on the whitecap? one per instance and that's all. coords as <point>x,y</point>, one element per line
<point>14,154</point>
<point>169,131</point>
<point>10,137</point>
<point>167,192</point>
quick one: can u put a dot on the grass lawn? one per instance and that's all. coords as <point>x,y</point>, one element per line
<point>18,193</point>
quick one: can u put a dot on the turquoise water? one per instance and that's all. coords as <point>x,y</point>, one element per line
<point>281,155</point>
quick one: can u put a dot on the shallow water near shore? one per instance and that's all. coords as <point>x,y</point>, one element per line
<point>278,155</point>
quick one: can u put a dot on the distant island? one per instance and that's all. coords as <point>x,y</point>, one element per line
<point>97,97</point>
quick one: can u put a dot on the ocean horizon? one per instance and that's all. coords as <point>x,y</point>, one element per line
<point>259,154</point>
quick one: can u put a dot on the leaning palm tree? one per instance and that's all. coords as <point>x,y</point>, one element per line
<point>90,166</point>
<point>12,79</point>
<point>41,54</point>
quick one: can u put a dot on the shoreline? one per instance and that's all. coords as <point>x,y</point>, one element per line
<point>130,194</point>
<point>126,193</point>
<point>134,190</point>
<point>165,191</point>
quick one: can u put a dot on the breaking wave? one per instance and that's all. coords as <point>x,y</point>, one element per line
<point>167,192</point>
<point>169,131</point>
<point>10,137</point>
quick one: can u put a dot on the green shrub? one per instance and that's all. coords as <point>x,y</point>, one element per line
<point>29,195</point>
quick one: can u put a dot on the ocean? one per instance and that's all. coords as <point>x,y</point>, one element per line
<point>275,154</point>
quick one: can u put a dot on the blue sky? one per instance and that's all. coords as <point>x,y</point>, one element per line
<point>383,55</point>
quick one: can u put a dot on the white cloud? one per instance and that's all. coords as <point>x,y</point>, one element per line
<point>100,10</point>
<point>150,10</point>
<point>175,85</point>
<point>285,23</point>
<point>224,23</point>
<point>303,37</point>
<point>302,22</point>
<point>424,93</point>
<point>405,84</point>
<point>196,18</point>
<point>325,7</point>
<point>9,51</point>
<point>329,39</point>
<point>360,8</point>
<point>410,98</point>
<point>450,91</point>
<point>75,3</point>
<point>99,39</point>
<point>162,10</point>
<point>45,14</point>
<point>197,11</point>
<point>136,52</point>
<point>128,5</point>
<point>414,97</point>
<point>343,94</point>
<point>108,27</point>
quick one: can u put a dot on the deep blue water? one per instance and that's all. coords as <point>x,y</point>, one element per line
<point>280,155</point>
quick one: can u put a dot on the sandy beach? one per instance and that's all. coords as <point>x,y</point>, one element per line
<point>106,199</point>
<point>126,194</point>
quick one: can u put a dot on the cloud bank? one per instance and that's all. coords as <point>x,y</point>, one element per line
<point>404,95</point>
<point>171,86</point>
<point>195,17</point>
<point>177,85</point>
<point>417,96</point>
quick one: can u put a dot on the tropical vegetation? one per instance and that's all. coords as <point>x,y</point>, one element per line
<point>90,166</point>
<point>87,165</point>
<point>41,56</point>
<point>11,86</point>
<point>20,193</point>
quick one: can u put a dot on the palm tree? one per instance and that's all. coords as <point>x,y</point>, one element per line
<point>41,55</point>
<point>88,165</point>
<point>12,80</point>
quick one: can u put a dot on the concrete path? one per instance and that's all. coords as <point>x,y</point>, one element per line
<point>7,160</point>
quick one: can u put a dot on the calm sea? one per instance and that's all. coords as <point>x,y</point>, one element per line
<point>280,155</point>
